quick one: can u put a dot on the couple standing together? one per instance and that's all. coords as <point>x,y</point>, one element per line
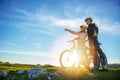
<point>92,34</point>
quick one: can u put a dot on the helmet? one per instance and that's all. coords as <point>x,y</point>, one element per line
<point>88,19</point>
<point>83,26</point>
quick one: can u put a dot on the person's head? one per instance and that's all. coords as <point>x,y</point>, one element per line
<point>83,28</point>
<point>88,21</point>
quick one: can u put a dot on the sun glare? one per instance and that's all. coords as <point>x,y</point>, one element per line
<point>68,59</point>
<point>71,59</point>
<point>75,58</point>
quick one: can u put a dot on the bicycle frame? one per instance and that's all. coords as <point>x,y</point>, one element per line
<point>76,48</point>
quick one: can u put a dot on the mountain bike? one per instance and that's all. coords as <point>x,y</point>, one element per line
<point>75,56</point>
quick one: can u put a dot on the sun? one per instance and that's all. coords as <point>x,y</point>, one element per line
<point>60,44</point>
<point>75,58</point>
<point>71,59</point>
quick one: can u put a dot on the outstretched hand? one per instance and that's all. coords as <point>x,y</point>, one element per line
<point>66,29</point>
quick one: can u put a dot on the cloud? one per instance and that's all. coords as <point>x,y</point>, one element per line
<point>113,29</point>
<point>43,31</point>
<point>52,22</point>
<point>38,45</point>
<point>66,22</point>
<point>35,53</point>
<point>106,25</point>
<point>44,57</point>
<point>25,14</point>
<point>72,16</point>
<point>11,44</point>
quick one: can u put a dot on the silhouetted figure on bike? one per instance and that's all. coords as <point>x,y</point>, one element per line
<point>92,31</point>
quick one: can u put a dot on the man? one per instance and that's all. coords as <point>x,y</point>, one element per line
<point>92,32</point>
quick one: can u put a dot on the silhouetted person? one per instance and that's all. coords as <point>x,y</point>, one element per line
<point>92,32</point>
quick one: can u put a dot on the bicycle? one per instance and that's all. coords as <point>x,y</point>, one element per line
<point>71,57</point>
<point>67,57</point>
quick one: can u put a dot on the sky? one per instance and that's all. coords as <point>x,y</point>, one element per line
<point>32,31</point>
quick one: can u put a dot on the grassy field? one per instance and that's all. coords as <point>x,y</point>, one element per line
<point>66,74</point>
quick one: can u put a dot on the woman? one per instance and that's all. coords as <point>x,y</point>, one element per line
<point>81,40</point>
<point>82,35</point>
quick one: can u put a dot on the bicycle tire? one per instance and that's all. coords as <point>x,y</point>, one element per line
<point>61,58</point>
<point>103,59</point>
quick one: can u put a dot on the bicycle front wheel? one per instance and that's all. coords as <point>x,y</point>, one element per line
<point>66,59</point>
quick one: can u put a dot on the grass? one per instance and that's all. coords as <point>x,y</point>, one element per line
<point>66,74</point>
<point>112,74</point>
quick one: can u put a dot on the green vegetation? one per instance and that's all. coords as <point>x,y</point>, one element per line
<point>71,74</point>
<point>6,66</point>
<point>13,67</point>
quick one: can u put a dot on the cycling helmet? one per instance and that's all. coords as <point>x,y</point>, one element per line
<point>83,26</point>
<point>88,19</point>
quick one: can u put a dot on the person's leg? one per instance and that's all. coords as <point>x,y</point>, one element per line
<point>91,45</point>
<point>96,47</point>
<point>94,57</point>
<point>93,51</point>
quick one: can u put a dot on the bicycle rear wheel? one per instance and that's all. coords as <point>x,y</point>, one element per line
<point>103,59</point>
<point>105,62</point>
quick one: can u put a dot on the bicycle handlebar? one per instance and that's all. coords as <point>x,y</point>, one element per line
<point>73,39</point>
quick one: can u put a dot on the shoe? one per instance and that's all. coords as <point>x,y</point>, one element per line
<point>104,70</point>
<point>95,68</point>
